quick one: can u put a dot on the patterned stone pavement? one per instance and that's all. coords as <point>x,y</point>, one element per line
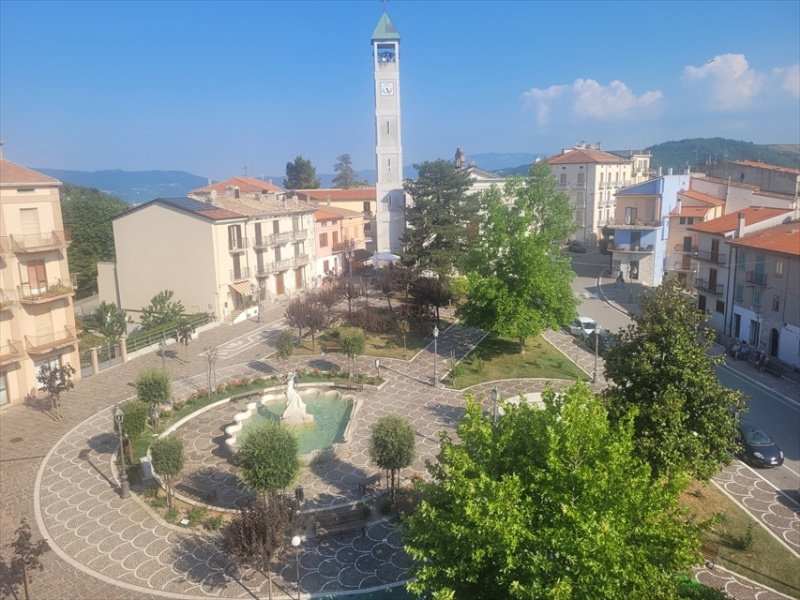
<point>110,548</point>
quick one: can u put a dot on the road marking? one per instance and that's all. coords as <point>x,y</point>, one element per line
<point>780,397</point>
<point>769,483</point>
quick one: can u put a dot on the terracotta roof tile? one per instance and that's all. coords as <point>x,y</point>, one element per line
<point>585,155</point>
<point>337,195</point>
<point>768,167</point>
<point>14,174</point>
<point>783,239</point>
<point>690,211</point>
<point>245,184</point>
<point>324,215</point>
<point>729,222</point>
<point>701,197</point>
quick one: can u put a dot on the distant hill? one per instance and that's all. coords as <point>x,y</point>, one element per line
<point>699,151</point>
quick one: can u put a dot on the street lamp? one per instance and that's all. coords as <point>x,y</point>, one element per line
<point>119,416</point>
<point>378,366</point>
<point>296,543</point>
<point>435,352</point>
<point>495,394</point>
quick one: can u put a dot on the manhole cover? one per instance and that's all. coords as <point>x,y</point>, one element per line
<point>16,440</point>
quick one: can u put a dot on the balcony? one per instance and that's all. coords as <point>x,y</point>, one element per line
<point>636,224</point>
<point>236,246</point>
<point>240,274</point>
<point>12,352</point>
<point>38,242</point>
<point>300,261</point>
<point>681,248</point>
<point>631,248</point>
<point>282,265</point>
<point>703,285</point>
<point>261,242</point>
<point>53,290</point>
<point>7,299</point>
<point>300,235</point>
<point>759,279</point>
<point>42,344</point>
<point>278,239</point>
<point>684,264</point>
<point>712,257</point>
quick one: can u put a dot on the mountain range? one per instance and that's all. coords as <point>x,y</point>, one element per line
<point>137,187</point>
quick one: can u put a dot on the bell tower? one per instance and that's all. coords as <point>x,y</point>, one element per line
<point>390,219</point>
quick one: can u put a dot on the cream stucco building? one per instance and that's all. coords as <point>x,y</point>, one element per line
<point>37,319</point>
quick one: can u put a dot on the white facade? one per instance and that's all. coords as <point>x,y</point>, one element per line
<point>390,220</point>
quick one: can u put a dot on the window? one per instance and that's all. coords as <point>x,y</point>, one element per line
<point>740,260</point>
<point>630,215</point>
<point>335,238</point>
<point>35,275</point>
<point>366,207</point>
<point>682,221</point>
<point>581,178</point>
<point>776,303</point>
<point>779,268</point>
<point>720,307</point>
<point>756,296</point>
<point>739,292</point>
<point>563,179</point>
<point>580,197</point>
<point>615,265</point>
<point>323,240</point>
<point>53,361</point>
<point>737,325</point>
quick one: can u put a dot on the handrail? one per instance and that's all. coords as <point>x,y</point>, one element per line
<point>144,338</point>
<point>36,343</point>
<point>47,291</point>
<point>33,242</point>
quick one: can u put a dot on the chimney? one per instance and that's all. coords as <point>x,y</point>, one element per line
<point>659,171</point>
<point>212,197</point>
<point>740,225</point>
<point>670,171</point>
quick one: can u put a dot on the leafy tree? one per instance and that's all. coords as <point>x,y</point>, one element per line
<point>154,389</point>
<point>26,559</point>
<point>391,446</point>
<point>353,341</point>
<point>167,456</point>
<point>296,316</point>
<point>136,414</point>
<point>547,503</point>
<point>162,310</point>
<point>431,292</point>
<point>345,175</point>
<point>183,335</point>
<point>258,532</point>
<point>87,214</point>
<point>268,457</point>
<point>663,378</point>
<point>55,381</point>
<point>285,345</point>
<point>519,283</point>
<point>300,175</point>
<point>443,219</point>
<point>110,321</point>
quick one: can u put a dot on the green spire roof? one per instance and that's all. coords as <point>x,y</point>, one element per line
<point>385,30</point>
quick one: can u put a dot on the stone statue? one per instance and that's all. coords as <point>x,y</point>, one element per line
<point>295,413</point>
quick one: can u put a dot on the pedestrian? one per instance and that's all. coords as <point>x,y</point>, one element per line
<point>620,281</point>
<point>735,350</point>
<point>761,364</point>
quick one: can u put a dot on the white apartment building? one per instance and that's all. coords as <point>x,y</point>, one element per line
<point>591,178</point>
<point>37,318</point>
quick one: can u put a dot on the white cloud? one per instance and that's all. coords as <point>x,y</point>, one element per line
<point>789,79</point>
<point>731,82</point>
<point>592,100</point>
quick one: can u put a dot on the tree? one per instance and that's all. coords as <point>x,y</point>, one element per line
<point>663,378</point>
<point>296,316</point>
<point>285,345</point>
<point>443,219</point>
<point>300,175</point>
<point>518,282</point>
<point>55,381</point>
<point>431,291</point>
<point>162,310</point>
<point>391,446</point>
<point>316,316</point>
<point>26,559</point>
<point>402,325</point>
<point>353,341</point>
<point>329,297</point>
<point>547,503</point>
<point>136,414</point>
<point>349,289</point>
<point>258,532</point>
<point>88,214</point>
<point>154,389</point>
<point>388,283</point>
<point>167,456</point>
<point>110,321</point>
<point>183,335</point>
<point>268,457</point>
<point>345,176</point>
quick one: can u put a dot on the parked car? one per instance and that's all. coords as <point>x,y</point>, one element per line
<point>604,340</point>
<point>758,449</point>
<point>576,247</point>
<point>582,326</point>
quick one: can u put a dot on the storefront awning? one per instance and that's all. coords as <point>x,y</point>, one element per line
<point>242,287</point>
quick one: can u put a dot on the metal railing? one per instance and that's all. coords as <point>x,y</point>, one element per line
<point>148,337</point>
<point>756,278</point>
<point>242,273</point>
<point>276,239</point>
<point>703,285</point>
<point>682,248</point>
<point>713,257</point>
<point>300,235</point>
<point>11,352</point>
<point>237,245</point>
<point>7,298</point>
<point>46,292</point>
<point>36,242</point>
<point>38,344</point>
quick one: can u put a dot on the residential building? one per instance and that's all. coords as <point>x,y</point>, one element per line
<point>641,227</point>
<point>591,178</point>
<point>768,178</point>
<point>712,256</point>
<point>481,180</point>
<point>338,234</point>
<point>37,318</point>
<point>766,303</point>
<point>390,219</point>
<point>361,200</point>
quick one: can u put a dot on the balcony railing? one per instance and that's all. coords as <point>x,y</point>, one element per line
<point>242,273</point>
<point>759,279</point>
<point>237,245</point>
<point>260,242</point>
<point>282,265</point>
<point>46,292</point>
<point>11,352</point>
<point>300,235</point>
<point>7,298</point>
<point>276,239</point>
<point>712,257</point>
<point>300,261</point>
<point>631,248</point>
<point>41,344</point>
<point>681,248</point>
<point>703,285</point>
<point>38,242</point>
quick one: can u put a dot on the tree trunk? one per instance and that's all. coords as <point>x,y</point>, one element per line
<point>169,490</point>
<point>25,580</point>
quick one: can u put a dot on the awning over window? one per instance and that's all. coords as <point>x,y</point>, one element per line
<point>243,287</point>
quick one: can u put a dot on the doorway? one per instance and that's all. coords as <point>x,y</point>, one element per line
<point>774,337</point>
<point>279,289</point>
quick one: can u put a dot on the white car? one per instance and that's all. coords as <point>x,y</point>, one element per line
<point>582,326</point>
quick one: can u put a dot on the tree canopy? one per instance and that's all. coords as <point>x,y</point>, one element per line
<point>162,310</point>
<point>268,458</point>
<point>300,175</point>
<point>55,381</point>
<point>345,175</point>
<point>391,445</point>
<point>109,321</point>
<point>547,503</point>
<point>518,282</point>
<point>662,375</point>
<point>168,458</point>
<point>443,218</point>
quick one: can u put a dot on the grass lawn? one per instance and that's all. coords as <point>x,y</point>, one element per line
<point>744,546</point>
<point>500,358</point>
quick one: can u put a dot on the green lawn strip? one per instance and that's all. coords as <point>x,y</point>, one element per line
<point>744,546</point>
<point>500,358</point>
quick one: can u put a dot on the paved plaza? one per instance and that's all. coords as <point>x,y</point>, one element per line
<point>61,476</point>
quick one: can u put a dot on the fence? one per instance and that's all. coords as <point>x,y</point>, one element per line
<point>149,337</point>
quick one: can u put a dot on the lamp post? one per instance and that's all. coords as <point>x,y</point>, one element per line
<point>162,345</point>
<point>378,366</point>
<point>495,394</point>
<point>119,416</point>
<point>435,352</point>
<point>296,543</point>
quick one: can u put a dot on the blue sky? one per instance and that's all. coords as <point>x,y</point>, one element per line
<point>214,87</point>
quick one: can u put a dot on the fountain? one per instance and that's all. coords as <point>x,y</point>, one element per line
<point>295,413</point>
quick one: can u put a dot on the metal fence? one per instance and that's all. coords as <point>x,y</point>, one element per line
<point>149,337</point>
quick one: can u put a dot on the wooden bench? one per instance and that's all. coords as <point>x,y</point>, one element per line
<point>330,346</point>
<point>339,521</point>
<point>710,551</point>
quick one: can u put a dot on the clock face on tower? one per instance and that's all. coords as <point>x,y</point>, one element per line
<point>387,88</point>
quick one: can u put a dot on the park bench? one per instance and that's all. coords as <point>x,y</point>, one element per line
<point>710,551</point>
<point>330,346</point>
<point>337,385</point>
<point>340,521</point>
<point>206,496</point>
